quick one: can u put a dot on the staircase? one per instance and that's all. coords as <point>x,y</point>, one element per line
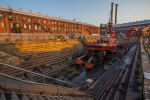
<point>12,88</point>
<point>13,95</point>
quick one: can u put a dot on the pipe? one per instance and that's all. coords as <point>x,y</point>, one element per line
<point>90,59</point>
<point>112,4</point>
<point>88,64</point>
<point>81,57</point>
<point>116,14</point>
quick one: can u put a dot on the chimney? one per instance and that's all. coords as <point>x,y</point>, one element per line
<point>116,14</point>
<point>112,4</point>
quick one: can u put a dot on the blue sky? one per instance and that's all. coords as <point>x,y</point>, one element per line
<point>90,11</point>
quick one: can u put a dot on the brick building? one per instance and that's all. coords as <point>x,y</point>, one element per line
<point>125,27</point>
<point>38,23</point>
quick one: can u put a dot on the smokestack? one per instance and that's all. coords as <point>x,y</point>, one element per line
<point>116,14</point>
<point>112,4</point>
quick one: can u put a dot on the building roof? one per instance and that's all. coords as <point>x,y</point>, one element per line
<point>8,9</point>
<point>133,23</point>
<point>125,30</point>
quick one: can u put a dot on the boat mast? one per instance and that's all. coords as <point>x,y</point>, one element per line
<point>110,23</point>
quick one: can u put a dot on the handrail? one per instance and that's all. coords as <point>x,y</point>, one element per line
<point>36,73</point>
<point>35,83</point>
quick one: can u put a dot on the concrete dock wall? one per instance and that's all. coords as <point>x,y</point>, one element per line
<point>13,37</point>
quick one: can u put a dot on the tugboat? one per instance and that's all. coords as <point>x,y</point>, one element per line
<point>97,51</point>
<point>101,48</point>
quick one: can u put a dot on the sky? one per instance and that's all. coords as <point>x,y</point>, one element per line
<point>88,11</point>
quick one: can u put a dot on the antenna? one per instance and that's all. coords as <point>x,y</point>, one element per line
<point>74,19</point>
<point>9,8</point>
<point>109,15</point>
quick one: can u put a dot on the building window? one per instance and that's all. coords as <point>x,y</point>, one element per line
<point>24,19</point>
<point>48,22</point>
<point>44,27</point>
<point>1,16</point>
<point>39,21</point>
<point>29,19</point>
<point>16,18</point>
<point>25,26</point>
<point>39,27</point>
<point>2,25</point>
<point>55,22</point>
<point>52,28</point>
<point>35,27</point>
<point>29,26</point>
<point>17,25</point>
<point>59,23</point>
<point>44,21</point>
<point>55,28</point>
<point>11,25</point>
<point>10,17</point>
<point>65,29</point>
<point>52,22</point>
<point>59,28</point>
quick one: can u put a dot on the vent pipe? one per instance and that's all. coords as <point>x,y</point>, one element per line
<point>116,14</point>
<point>112,4</point>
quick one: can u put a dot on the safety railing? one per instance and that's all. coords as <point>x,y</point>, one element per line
<point>58,90</point>
<point>30,76</point>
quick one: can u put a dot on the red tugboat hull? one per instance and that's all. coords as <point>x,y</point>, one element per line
<point>102,47</point>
